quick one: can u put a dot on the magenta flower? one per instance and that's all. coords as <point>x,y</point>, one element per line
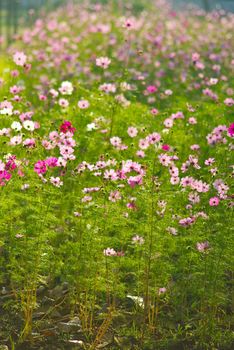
<point>231,130</point>
<point>151,89</point>
<point>165,147</point>
<point>40,167</point>
<point>5,175</point>
<point>10,165</point>
<point>67,127</point>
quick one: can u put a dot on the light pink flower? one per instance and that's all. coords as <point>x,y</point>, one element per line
<point>132,132</point>
<point>83,104</point>
<point>19,58</point>
<point>103,62</point>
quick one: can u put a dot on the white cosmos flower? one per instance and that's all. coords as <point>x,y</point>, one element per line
<point>91,126</point>
<point>138,300</point>
<point>16,126</point>
<point>7,111</point>
<point>66,88</point>
<point>29,125</point>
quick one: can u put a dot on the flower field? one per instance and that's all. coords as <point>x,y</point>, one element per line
<point>116,174</point>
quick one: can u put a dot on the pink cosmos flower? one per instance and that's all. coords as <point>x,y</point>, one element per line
<point>154,111</point>
<point>195,57</point>
<point>109,252</point>
<point>115,196</point>
<point>174,171</point>
<point>135,180</point>
<point>83,104</point>
<point>214,201</point>
<point>168,123</point>
<point>151,89</point>
<point>209,161</point>
<point>19,58</point>
<point>42,97</point>
<point>203,246</point>
<point>229,102</point>
<point>138,240</point>
<point>63,102</point>
<point>30,143</point>
<point>195,147</point>
<point>214,171</point>
<point>40,167</point>
<point>86,199</point>
<point>174,180</point>
<point>131,205</point>
<point>194,198</point>
<point>111,175</point>
<point>162,290</point>
<point>187,221</point>
<point>140,154</point>
<point>129,24</point>
<point>51,162</point>
<point>103,62</point>
<point>54,93</point>
<point>15,89</point>
<point>115,141</point>
<point>66,151</point>
<point>143,144</point>
<point>108,88</point>
<point>56,181</point>
<point>192,121</point>
<point>15,73</point>
<point>164,159</point>
<point>153,138</point>
<point>132,132</point>
<point>168,92</point>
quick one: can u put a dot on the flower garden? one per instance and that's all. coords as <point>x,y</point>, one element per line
<point>116,174</point>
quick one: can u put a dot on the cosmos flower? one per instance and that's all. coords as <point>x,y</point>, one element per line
<point>103,62</point>
<point>202,246</point>
<point>83,104</point>
<point>19,58</point>
<point>231,130</point>
<point>214,201</point>
<point>40,167</point>
<point>138,240</point>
